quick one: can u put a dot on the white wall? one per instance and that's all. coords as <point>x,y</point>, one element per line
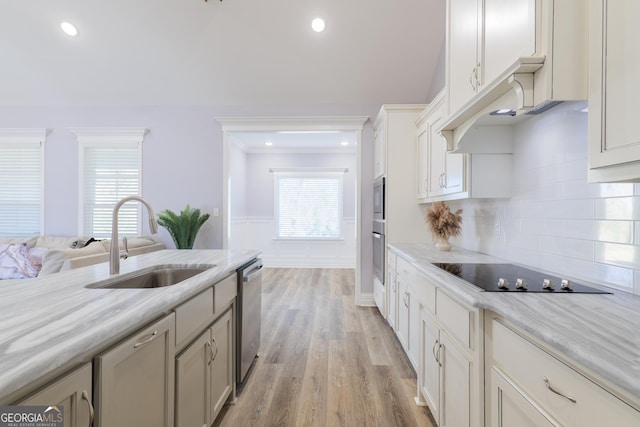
<point>555,219</point>
<point>182,158</point>
<point>254,227</point>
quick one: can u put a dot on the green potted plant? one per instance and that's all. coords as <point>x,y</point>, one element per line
<point>184,227</point>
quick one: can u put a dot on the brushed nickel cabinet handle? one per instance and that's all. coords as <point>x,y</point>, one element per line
<point>210,353</point>
<point>473,72</point>
<point>216,353</point>
<point>146,340</point>
<point>546,382</point>
<point>433,351</point>
<point>85,397</point>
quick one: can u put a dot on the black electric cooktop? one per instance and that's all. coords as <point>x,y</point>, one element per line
<point>513,278</point>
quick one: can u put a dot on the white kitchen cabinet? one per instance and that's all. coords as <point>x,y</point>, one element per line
<point>614,140</point>
<point>135,379</point>
<point>392,294</point>
<point>484,38</point>
<point>379,150</point>
<point>443,342</point>
<point>444,175</point>
<point>395,128</point>
<point>520,55</point>
<point>557,390</point>
<point>440,172</point>
<point>403,313</point>
<point>513,408</point>
<point>204,375</point>
<point>73,392</point>
<point>450,377</point>
<point>429,373</point>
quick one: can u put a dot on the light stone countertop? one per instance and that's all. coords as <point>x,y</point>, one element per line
<point>599,333</point>
<point>52,323</point>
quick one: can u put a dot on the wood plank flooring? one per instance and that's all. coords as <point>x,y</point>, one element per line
<point>323,361</point>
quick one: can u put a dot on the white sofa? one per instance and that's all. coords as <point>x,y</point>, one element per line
<point>60,254</point>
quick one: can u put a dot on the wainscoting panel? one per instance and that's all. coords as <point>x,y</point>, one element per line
<point>259,233</point>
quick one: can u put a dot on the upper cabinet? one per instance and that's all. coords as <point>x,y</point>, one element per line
<point>379,148</point>
<point>520,56</point>
<point>443,175</point>
<point>485,38</point>
<point>614,58</point>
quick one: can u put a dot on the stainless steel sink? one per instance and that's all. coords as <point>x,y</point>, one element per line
<point>156,278</point>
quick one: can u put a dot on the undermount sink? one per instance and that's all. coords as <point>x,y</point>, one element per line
<point>156,278</point>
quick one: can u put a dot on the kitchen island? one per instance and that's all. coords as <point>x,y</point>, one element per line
<point>595,335</point>
<point>51,324</point>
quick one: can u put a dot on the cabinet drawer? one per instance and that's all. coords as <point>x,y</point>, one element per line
<point>404,268</point>
<point>580,401</point>
<point>455,318</point>
<point>193,316</point>
<point>425,291</point>
<point>224,292</point>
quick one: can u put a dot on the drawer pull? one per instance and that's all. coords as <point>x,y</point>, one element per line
<point>436,352</point>
<point>150,338</point>
<point>546,382</point>
<point>85,397</point>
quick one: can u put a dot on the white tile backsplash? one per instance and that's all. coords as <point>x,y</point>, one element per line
<point>555,220</point>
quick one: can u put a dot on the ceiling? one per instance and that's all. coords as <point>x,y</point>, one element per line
<point>218,53</point>
<point>295,142</point>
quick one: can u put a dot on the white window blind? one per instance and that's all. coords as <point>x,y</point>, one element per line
<point>21,181</point>
<point>308,205</point>
<point>110,170</point>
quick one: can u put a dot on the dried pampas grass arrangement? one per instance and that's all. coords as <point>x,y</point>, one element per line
<point>442,222</point>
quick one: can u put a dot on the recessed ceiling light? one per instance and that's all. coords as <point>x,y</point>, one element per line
<point>268,143</point>
<point>318,25</point>
<point>69,29</point>
<point>344,143</point>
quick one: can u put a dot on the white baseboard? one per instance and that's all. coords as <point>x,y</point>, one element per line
<point>366,300</point>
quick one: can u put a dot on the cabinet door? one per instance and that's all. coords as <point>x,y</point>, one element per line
<point>424,168</point>
<point>403,313</point>
<point>614,85</point>
<point>510,407</point>
<point>192,383</point>
<point>221,363</point>
<point>135,380</point>
<point>392,311</point>
<point>456,385</point>
<point>430,381</point>
<point>462,47</point>
<point>509,33</point>
<point>73,392</point>
<point>379,149</point>
<point>414,329</point>
<point>437,155</point>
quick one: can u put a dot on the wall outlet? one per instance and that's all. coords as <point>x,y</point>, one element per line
<point>216,212</point>
<point>497,227</point>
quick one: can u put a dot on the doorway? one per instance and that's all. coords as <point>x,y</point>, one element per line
<point>297,145</point>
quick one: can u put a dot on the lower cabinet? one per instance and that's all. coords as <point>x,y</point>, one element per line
<point>536,388</point>
<point>513,407</point>
<point>135,379</point>
<point>445,376</point>
<point>73,392</point>
<point>204,375</point>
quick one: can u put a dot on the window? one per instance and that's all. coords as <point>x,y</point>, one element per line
<point>111,170</point>
<point>308,204</point>
<point>21,181</point>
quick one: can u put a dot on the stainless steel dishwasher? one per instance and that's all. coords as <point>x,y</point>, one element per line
<point>249,316</point>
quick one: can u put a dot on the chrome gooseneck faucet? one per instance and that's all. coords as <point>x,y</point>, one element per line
<point>114,252</point>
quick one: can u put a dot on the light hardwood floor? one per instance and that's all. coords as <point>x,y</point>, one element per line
<point>323,361</point>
